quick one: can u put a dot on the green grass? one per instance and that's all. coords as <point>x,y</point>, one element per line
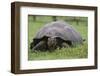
<point>77,52</point>
<point>69,53</point>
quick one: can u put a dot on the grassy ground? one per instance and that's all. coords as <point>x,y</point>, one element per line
<point>65,53</point>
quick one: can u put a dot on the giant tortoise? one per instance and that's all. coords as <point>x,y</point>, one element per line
<point>54,35</point>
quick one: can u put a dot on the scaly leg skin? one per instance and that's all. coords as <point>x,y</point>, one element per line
<point>65,45</point>
<point>39,46</point>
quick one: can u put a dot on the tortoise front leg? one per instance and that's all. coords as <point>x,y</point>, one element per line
<point>65,45</point>
<point>39,46</point>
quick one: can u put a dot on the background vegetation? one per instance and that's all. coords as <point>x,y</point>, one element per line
<point>79,23</point>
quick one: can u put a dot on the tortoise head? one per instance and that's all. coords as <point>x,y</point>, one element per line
<point>52,42</point>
